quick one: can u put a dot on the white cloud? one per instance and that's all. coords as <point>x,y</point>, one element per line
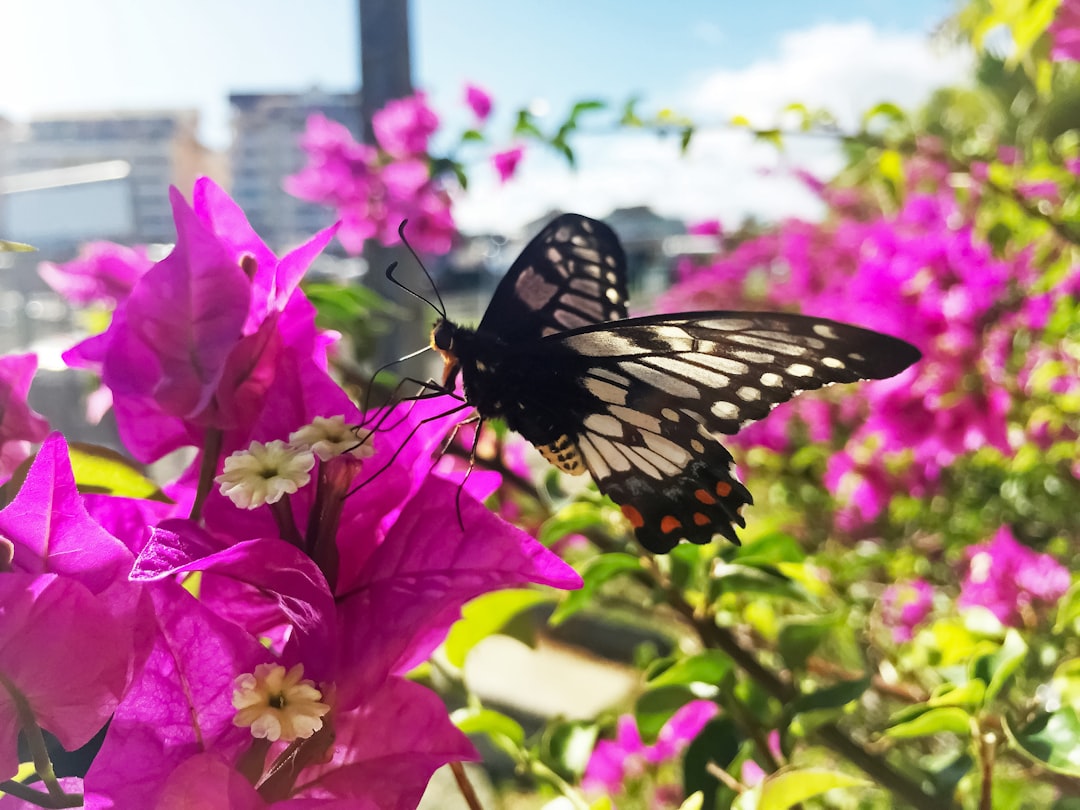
<point>846,68</point>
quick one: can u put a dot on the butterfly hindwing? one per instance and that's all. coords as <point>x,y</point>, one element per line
<point>573,274</point>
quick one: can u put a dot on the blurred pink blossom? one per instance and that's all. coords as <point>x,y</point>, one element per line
<point>506,162</point>
<point>1007,578</point>
<point>479,101</point>
<point>1064,32</point>
<point>905,605</point>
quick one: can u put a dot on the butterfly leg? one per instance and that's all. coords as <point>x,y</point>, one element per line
<point>401,447</point>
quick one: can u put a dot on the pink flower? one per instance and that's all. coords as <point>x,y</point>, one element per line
<point>479,101</point>
<point>506,162</point>
<point>372,191</point>
<point>1008,578</point>
<point>404,126</point>
<point>613,762</point>
<point>19,425</point>
<point>1065,32</point>
<point>905,605</point>
<point>103,272</point>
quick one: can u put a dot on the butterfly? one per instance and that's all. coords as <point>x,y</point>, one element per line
<point>641,403</point>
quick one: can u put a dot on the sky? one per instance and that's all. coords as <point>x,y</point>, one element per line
<point>710,59</point>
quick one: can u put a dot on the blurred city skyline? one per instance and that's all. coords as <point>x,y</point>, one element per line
<point>710,60</point>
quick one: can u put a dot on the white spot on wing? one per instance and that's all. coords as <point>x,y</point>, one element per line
<point>601,423</point>
<point>658,379</point>
<point>726,410</point>
<point>605,391</point>
<point>636,418</point>
<point>832,362</point>
<point>772,380</point>
<point>531,288</point>
<point>670,415</point>
<point>612,453</point>
<point>825,331</point>
<point>800,370</point>
<point>710,379</point>
<point>593,460</point>
<point>610,376</point>
<point>667,449</point>
<point>604,344</point>
<point>726,324</point>
<point>748,394</point>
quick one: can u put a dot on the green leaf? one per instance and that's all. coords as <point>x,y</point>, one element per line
<point>15,247</point>
<point>799,637</point>
<point>574,518</point>
<point>595,573</point>
<point>789,787</point>
<point>1052,739</point>
<point>1068,609</point>
<point>971,695</point>
<point>684,139</point>
<point>566,747</point>
<point>492,723</point>
<point>738,578</point>
<point>525,125</point>
<point>948,719</point>
<point>655,707</point>
<point>1001,665</point>
<point>101,470</point>
<point>485,616</point>
<point>717,744</point>
<point>770,549</point>
<point>710,667</point>
<point>885,109</point>
<point>831,697</point>
<point>471,135</point>
<point>630,117</point>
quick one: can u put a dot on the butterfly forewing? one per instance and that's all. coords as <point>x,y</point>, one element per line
<point>573,274</point>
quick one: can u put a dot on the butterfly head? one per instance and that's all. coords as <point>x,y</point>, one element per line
<point>442,341</point>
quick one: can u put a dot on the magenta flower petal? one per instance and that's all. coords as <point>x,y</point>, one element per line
<point>187,312</point>
<point>103,272</point>
<point>412,587</point>
<point>682,728</point>
<point>506,162</point>
<point>52,531</point>
<point>479,101</point>
<point>207,782</point>
<point>388,747</point>
<point>19,425</point>
<point>47,622</point>
<point>179,704</point>
<point>275,580</point>
<point>404,126</point>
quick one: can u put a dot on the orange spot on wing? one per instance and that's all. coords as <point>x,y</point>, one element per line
<point>633,515</point>
<point>669,524</point>
<point>701,519</point>
<point>704,496</point>
<point>723,489</point>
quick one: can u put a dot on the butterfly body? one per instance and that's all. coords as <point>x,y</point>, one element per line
<point>642,403</point>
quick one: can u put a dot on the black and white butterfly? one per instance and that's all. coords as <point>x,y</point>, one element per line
<point>641,403</point>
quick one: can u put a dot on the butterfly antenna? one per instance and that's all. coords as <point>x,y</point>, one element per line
<point>441,308</point>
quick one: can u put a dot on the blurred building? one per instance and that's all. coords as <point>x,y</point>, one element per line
<point>265,149</point>
<point>51,198</point>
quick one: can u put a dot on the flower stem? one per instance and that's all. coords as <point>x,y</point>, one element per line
<point>465,786</point>
<point>35,740</point>
<point>211,452</point>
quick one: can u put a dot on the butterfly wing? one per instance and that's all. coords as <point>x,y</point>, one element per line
<point>573,274</point>
<point>643,404</point>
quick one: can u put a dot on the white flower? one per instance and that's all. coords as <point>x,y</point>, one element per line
<point>264,473</point>
<point>278,705</point>
<point>330,438</point>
